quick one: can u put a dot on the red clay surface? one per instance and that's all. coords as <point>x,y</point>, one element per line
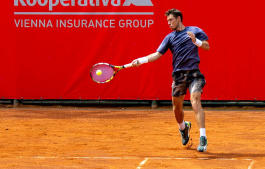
<point>127,138</point>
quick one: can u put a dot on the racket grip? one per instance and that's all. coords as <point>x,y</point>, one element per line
<point>128,65</point>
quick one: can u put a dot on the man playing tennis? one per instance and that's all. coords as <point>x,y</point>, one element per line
<point>183,42</point>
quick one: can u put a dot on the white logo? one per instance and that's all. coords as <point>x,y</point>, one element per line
<point>53,3</point>
<point>138,3</point>
<point>83,23</point>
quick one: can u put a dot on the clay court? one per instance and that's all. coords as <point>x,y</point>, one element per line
<point>128,138</point>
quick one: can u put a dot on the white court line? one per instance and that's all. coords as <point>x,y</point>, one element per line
<point>137,158</point>
<point>251,164</point>
<point>145,160</point>
<point>142,163</point>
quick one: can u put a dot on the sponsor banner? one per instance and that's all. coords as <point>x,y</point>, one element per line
<point>83,13</point>
<point>49,46</point>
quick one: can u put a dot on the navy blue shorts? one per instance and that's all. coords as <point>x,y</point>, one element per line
<point>182,80</point>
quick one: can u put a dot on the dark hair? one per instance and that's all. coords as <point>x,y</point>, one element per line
<point>174,12</point>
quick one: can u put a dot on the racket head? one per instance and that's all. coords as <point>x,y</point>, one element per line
<point>107,72</point>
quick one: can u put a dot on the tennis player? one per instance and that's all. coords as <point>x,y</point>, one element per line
<point>184,42</point>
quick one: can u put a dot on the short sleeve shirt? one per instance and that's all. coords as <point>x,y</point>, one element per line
<point>185,52</point>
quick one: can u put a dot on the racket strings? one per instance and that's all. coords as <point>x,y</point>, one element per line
<point>107,73</point>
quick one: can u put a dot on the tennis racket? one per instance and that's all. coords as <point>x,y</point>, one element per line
<point>104,72</point>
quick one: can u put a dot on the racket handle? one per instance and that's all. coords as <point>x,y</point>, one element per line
<point>128,65</point>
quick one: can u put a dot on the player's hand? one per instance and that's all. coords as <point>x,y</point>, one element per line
<point>192,36</point>
<point>136,63</point>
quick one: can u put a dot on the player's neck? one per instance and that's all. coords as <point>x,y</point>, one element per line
<point>181,27</point>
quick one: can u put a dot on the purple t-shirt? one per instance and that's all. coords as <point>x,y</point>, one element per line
<point>185,52</point>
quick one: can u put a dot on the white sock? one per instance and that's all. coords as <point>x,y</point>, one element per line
<point>202,132</point>
<point>182,125</point>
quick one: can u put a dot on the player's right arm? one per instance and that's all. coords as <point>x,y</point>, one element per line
<point>154,56</point>
<point>162,49</point>
<point>149,58</point>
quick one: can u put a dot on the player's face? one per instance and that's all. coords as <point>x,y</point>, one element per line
<point>172,22</point>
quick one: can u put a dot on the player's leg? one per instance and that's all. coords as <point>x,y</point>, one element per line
<point>196,86</point>
<point>184,126</point>
<point>179,89</point>
<point>195,100</point>
<point>177,103</point>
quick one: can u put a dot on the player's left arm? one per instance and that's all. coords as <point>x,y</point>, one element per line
<point>202,44</point>
<point>205,45</point>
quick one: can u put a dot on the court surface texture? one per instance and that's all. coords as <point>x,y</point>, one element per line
<point>128,138</point>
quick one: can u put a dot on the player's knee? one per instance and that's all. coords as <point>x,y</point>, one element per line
<point>177,110</point>
<point>196,104</point>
